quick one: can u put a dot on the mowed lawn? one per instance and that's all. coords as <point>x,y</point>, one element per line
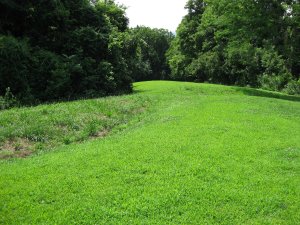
<point>200,154</point>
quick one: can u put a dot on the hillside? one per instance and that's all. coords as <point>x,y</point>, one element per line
<point>182,153</point>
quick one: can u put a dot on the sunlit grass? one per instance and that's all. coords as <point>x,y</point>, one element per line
<point>28,131</point>
<point>200,154</point>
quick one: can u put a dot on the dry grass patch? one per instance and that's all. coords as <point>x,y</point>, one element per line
<point>18,147</point>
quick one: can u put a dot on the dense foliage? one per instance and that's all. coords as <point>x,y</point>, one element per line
<point>237,42</point>
<point>148,48</point>
<point>61,49</point>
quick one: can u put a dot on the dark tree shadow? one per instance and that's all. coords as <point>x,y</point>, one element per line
<point>268,94</point>
<point>138,91</point>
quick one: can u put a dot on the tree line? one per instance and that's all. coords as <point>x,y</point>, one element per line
<point>238,42</point>
<point>68,49</point>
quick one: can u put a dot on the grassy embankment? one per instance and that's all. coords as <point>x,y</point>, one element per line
<point>28,131</point>
<point>190,154</point>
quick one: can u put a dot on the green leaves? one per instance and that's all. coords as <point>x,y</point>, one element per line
<point>68,52</point>
<point>147,49</point>
<point>237,42</point>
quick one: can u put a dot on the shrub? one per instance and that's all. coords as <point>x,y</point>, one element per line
<point>241,64</point>
<point>275,75</point>
<point>49,76</point>
<point>15,59</point>
<point>8,101</point>
<point>293,87</point>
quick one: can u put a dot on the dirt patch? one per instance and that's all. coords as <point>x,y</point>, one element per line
<point>63,128</point>
<point>19,147</point>
<point>125,101</point>
<point>101,134</point>
<point>101,117</point>
<point>139,110</point>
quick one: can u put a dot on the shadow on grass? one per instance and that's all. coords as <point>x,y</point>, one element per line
<point>138,91</point>
<point>268,94</point>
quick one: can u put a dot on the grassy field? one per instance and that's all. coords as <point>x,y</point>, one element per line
<point>182,153</point>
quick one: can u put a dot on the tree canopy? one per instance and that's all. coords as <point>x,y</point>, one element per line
<point>237,42</point>
<point>68,49</point>
<point>148,50</point>
<point>61,49</point>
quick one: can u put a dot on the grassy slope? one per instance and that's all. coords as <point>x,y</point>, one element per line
<point>203,154</point>
<point>38,129</point>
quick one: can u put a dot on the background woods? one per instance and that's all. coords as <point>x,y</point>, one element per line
<point>246,43</point>
<point>62,49</point>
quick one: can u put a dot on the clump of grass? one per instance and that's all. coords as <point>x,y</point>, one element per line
<point>25,131</point>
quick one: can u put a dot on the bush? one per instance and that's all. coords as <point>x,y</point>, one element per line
<point>241,64</point>
<point>293,87</point>
<point>8,101</point>
<point>275,75</point>
<point>49,76</point>
<point>15,61</point>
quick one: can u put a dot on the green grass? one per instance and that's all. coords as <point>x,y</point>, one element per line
<point>199,154</point>
<point>37,129</point>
